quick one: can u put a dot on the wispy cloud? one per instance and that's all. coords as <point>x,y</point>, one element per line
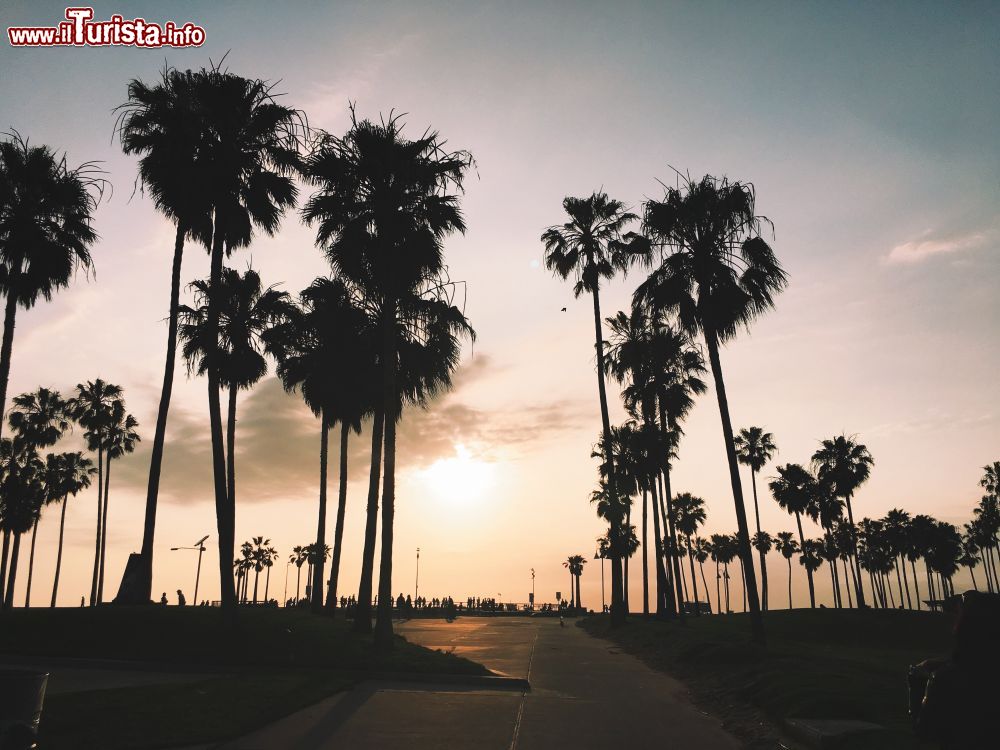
<point>932,243</point>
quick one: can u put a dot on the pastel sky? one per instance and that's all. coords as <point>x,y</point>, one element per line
<point>870,132</point>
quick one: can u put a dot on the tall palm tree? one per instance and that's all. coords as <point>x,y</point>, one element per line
<point>811,558</point>
<point>763,543</point>
<point>383,207</point>
<point>847,464</point>
<point>247,158</point>
<point>22,494</point>
<point>46,209</point>
<point>297,558</point>
<point>246,312</point>
<point>826,508</point>
<point>91,408</point>
<point>785,544</point>
<point>717,275</point>
<point>689,512</point>
<point>897,523</point>
<point>65,474</point>
<point>754,448</point>
<point>325,347</point>
<point>793,489</point>
<point>159,122</point>
<point>38,419</point>
<point>702,551</point>
<point>120,438</point>
<point>575,563</point>
<point>589,247</point>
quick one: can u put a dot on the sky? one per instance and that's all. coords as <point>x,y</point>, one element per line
<point>869,131</point>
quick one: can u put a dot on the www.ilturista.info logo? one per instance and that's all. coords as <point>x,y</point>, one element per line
<point>78,30</point>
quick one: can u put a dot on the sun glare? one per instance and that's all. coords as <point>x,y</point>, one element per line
<point>460,478</point>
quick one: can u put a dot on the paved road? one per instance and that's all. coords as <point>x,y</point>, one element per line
<point>584,694</point>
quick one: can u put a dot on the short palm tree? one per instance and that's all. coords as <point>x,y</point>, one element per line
<point>702,551</point>
<point>297,558</point>
<point>717,275</point>
<point>846,464</point>
<point>46,209</point>
<point>575,563</point>
<point>22,494</point>
<point>763,543</point>
<point>793,489</point>
<point>785,544</point>
<point>589,247</point>
<point>66,474</point>
<point>689,512</point>
<point>91,408</point>
<point>754,448</point>
<point>159,123</point>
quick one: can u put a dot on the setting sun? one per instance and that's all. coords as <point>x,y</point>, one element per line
<point>458,478</point>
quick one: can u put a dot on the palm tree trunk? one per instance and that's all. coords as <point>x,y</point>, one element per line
<point>617,599</point>
<point>363,612</point>
<point>725,576</point>
<point>743,582</point>
<point>225,514</point>
<point>390,399</point>
<point>7,345</point>
<point>809,575</point>
<point>579,600</point>
<point>140,589</point>
<point>789,561</point>
<point>256,580</point>
<point>847,583</point>
<point>104,532</point>
<point>675,564</point>
<point>763,562</point>
<point>662,610</point>
<point>625,559</point>
<point>31,564</point>
<point>833,583</point>
<point>973,574</point>
<point>8,600</point>
<point>906,581</point>
<point>645,555</point>
<point>298,584</point>
<point>100,510</point>
<point>317,580</point>
<point>338,533</point>
<point>708,596</point>
<point>3,564</point>
<point>916,584</point>
<point>267,583</point>
<point>59,549</point>
<point>899,582</point>
<point>757,622</point>
<point>859,589</point>
<point>231,447</point>
<point>718,586</point>
<point>694,582</point>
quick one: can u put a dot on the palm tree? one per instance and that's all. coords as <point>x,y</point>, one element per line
<point>754,448</point>
<point>575,565</point>
<point>383,208</point>
<point>689,512</point>
<point>120,438</point>
<point>811,558</point>
<point>246,312</point>
<point>991,479</point>
<point>298,557</point>
<point>717,274</point>
<point>45,230</point>
<point>91,408</point>
<point>787,546</point>
<point>763,542</point>
<point>897,523</point>
<point>325,348</point>
<point>589,247</point>
<point>160,123</point>
<point>65,474</point>
<point>38,419</point>
<point>826,509</point>
<point>248,155</point>
<point>793,489</point>
<point>847,464</point>
<point>23,493</point>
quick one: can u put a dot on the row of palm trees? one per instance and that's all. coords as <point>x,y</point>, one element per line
<point>29,483</point>
<point>712,274</point>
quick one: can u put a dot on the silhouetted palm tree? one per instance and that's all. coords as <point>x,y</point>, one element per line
<point>246,312</point>
<point>161,124</point>
<point>897,528</point>
<point>793,489</point>
<point>847,464</point>
<point>297,558</point>
<point>247,158</point>
<point>589,248</point>
<point>575,563</point>
<point>702,551</point>
<point>787,546</point>
<point>45,230</point>
<point>717,274</point>
<point>754,448</point>
<point>689,512</point>
<point>811,558</point>
<point>65,474</point>
<point>763,542</point>
<point>383,208</point>
<point>91,407</point>
<point>22,494</point>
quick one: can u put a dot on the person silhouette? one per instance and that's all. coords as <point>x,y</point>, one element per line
<point>181,601</point>
<point>163,599</point>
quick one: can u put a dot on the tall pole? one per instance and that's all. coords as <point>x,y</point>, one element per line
<point>603,606</point>
<point>532,588</point>
<point>416,584</point>
<point>285,598</point>
<point>197,576</point>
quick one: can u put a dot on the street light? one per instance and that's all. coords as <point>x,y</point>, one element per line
<point>200,546</point>
<point>532,588</point>
<point>416,584</point>
<point>596,556</point>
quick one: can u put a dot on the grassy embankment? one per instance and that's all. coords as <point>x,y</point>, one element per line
<point>272,663</point>
<point>825,663</point>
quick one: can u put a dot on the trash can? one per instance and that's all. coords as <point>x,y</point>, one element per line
<point>22,693</point>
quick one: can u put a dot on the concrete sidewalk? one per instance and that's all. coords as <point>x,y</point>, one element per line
<point>584,694</point>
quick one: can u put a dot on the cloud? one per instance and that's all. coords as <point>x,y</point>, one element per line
<point>932,243</point>
<point>278,440</point>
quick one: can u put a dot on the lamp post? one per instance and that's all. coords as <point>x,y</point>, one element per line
<point>596,556</point>
<point>416,583</point>
<point>285,598</point>
<point>532,588</point>
<point>200,546</point>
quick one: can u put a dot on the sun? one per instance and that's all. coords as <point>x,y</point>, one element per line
<point>459,479</point>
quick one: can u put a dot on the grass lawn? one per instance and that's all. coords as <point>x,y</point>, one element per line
<point>271,663</point>
<point>824,663</point>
